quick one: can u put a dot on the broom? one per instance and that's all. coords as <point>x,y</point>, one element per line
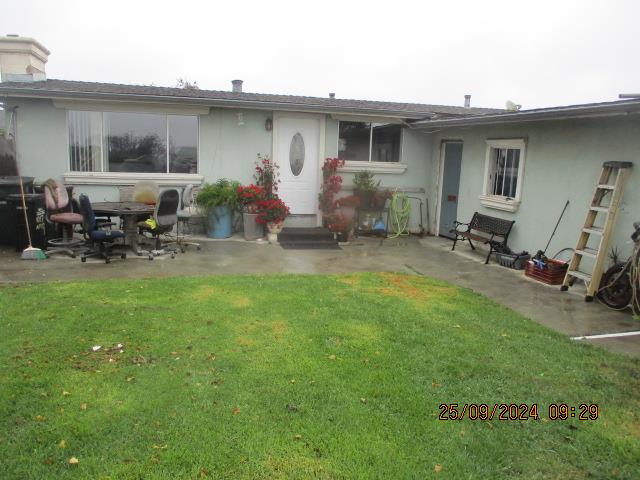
<point>29,253</point>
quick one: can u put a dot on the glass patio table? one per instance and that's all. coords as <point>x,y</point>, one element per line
<point>131,213</point>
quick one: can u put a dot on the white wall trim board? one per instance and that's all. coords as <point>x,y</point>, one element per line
<point>123,178</point>
<point>352,166</point>
<point>134,107</point>
<point>499,203</point>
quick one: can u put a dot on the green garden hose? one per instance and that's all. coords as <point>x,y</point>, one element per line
<point>400,211</point>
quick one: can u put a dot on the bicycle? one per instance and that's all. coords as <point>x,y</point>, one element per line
<point>620,284</point>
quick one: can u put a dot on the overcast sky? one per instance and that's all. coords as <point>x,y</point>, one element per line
<point>536,53</point>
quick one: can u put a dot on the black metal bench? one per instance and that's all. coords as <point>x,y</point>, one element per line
<point>484,228</point>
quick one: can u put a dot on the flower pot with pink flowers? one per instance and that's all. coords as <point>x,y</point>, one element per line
<point>272,213</point>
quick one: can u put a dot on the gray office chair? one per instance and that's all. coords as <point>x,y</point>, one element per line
<point>166,217</point>
<point>186,216</point>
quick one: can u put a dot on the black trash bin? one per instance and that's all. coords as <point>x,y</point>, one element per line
<point>10,186</point>
<point>36,213</point>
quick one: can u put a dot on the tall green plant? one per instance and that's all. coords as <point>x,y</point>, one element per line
<point>221,193</point>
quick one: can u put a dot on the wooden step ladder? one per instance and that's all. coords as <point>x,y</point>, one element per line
<point>608,184</point>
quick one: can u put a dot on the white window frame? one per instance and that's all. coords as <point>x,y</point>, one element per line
<point>130,178</point>
<point>500,202</point>
<point>354,166</point>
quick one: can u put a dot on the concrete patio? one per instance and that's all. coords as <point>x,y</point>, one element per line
<point>566,313</point>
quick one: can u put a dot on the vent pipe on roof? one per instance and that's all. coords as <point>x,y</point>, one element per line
<point>467,101</point>
<point>236,86</point>
<point>629,95</point>
<point>332,95</point>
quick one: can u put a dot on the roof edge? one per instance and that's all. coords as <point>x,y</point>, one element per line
<point>551,113</point>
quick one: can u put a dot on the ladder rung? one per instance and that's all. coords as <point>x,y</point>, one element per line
<point>606,187</point>
<point>588,252</point>
<point>581,275</point>
<point>593,230</point>
<point>599,209</point>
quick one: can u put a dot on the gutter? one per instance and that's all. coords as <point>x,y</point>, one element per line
<point>213,102</point>
<point>559,113</point>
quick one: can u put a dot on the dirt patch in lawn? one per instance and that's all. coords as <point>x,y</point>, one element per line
<point>412,288</point>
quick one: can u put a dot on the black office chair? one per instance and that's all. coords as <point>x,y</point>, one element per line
<point>165,217</point>
<point>98,234</point>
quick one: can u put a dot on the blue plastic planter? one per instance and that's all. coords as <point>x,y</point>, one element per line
<point>220,221</point>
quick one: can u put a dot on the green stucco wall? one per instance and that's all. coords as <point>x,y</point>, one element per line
<point>563,162</point>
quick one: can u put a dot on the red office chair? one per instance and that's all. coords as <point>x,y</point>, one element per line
<point>60,212</point>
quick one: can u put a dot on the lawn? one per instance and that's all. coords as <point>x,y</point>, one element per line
<point>297,377</point>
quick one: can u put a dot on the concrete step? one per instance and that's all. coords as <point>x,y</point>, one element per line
<point>314,234</point>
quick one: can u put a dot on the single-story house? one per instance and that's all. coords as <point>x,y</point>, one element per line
<point>514,164</point>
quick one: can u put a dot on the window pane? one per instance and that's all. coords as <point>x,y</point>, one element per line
<point>499,161</point>
<point>183,144</point>
<point>386,143</point>
<point>85,141</point>
<point>136,142</point>
<point>353,142</point>
<point>511,173</point>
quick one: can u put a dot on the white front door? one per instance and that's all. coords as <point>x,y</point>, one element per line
<point>297,154</point>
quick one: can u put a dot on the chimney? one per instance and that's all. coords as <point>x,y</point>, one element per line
<point>467,101</point>
<point>236,86</point>
<point>332,95</point>
<point>22,59</point>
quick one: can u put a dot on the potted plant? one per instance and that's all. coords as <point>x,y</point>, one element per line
<point>272,213</point>
<point>347,206</point>
<point>331,186</point>
<point>365,188</point>
<point>341,226</point>
<point>219,200</point>
<point>249,198</point>
<point>267,174</point>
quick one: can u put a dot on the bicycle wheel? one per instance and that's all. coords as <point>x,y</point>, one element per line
<point>615,287</point>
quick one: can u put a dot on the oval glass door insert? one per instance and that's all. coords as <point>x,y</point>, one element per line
<point>296,154</point>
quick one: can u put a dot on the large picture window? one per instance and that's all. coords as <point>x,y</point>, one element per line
<point>132,142</point>
<point>369,142</point>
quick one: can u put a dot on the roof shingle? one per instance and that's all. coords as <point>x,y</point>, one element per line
<point>412,110</point>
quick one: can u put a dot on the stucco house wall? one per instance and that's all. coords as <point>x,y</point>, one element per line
<point>226,149</point>
<point>563,162</point>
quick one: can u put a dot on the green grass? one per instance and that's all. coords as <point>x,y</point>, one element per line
<point>297,377</point>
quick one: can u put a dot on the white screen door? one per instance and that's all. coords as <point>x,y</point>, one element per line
<point>297,141</point>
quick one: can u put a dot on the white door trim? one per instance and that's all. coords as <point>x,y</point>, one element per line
<point>322,121</point>
<point>441,156</point>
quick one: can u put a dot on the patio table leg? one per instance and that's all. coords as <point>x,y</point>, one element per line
<point>131,233</point>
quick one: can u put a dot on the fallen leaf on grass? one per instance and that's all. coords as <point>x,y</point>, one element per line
<point>332,357</point>
<point>65,393</point>
<point>203,473</point>
<point>160,447</point>
<point>435,384</point>
<point>437,468</point>
<point>83,406</point>
<point>503,334</point>
<point>292,407</point>
<point>297,437</point>
<point>363,400</point>
<point>293,380</point>
<point>62,444</point>
<point>74,461</point>
<point>457,326</point>
<point>130,379</point>
<point>40,418</point>
<point>235,411</point>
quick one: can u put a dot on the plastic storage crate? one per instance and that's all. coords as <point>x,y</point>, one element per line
<point>552,274</point>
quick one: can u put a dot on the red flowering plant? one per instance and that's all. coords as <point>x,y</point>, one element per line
<point>267,174</point>
<point>331,185</point>
<point>272,210</point>
<point>338,222</point>
<point>250,197</point>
